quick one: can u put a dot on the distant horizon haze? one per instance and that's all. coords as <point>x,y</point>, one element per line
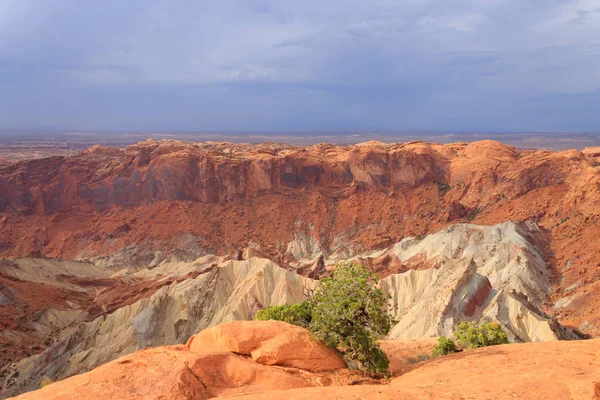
<point>261,65</point>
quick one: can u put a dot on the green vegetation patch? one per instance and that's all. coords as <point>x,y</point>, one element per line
<point>296,314</point>
<point>471,335</point>
<point>347,312</point>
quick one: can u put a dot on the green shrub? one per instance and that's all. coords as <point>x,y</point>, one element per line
<point>350,314</point>
<point>297,314</point>
<point>445,346</point>
<point>473,335</point>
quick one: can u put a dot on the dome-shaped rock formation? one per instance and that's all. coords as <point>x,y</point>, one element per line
<point>269,343</point>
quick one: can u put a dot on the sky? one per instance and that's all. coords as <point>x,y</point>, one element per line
<point>235,65</point>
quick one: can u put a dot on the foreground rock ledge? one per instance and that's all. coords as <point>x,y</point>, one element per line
<point>529,371</point>
<point>233,358</point>
<point>550,370</point>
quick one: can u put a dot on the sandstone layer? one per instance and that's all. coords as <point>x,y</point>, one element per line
<point>468,272</point>
<point>531,371</point>
<point>111,251</point>
<point>157,200</point>
<point>269,343</point>
<point>549,370</point>
<point>196,372</point>
<point>464,272</point>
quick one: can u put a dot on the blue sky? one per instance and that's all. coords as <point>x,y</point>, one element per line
<point>487,65</point>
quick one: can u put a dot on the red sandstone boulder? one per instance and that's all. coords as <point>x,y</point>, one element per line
<point>268,343</point>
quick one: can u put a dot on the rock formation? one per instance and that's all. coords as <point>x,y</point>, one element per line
<point>530,371</point>
<point>196,371</point>
<point>524,371</point>
<point>232,291</point>
<point>464,272</point>
<point>468,272</point>
<point>111,251</point>
<point>166,200</point>
<point>268,343</point>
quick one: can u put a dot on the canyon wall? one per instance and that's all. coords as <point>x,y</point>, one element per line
<point>462,273</point>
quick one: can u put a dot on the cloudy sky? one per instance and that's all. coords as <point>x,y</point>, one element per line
<point>485,65</point>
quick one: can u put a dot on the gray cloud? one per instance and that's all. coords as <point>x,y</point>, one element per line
<point>248,64</point>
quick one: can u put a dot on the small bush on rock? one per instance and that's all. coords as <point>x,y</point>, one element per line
<point>445,346</point>
<point>296,314</point>
<point>473,335</point>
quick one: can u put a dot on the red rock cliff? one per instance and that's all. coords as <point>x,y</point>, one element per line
<point>221,197</point>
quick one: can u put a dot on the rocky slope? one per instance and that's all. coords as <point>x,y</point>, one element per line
<point>260,360</point>
<point>464,272</point>
<point>469,272</point>
<point>211,293</point>
<point>157,200</point>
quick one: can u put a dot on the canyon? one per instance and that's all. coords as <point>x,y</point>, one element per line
<point>112,251</point>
